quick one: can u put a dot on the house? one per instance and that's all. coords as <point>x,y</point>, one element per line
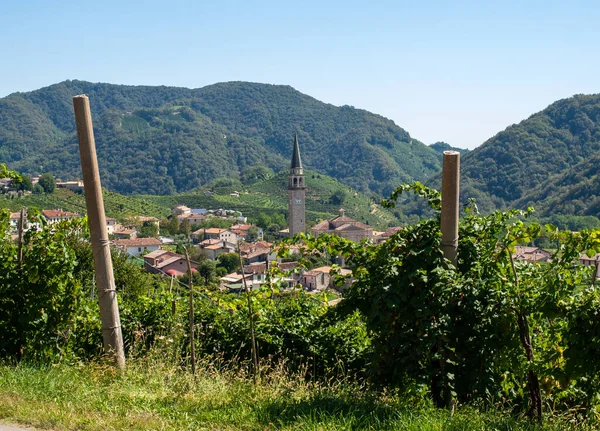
<point>125,233</point>
<point>531,254</point>
<point>209,241</point>
<point>585,260</point>
<point>5,184</point>
<point>167,262</point>
<point>14,221</point>
<point>193,219</point>
<point>215,250</point>
<point>257,252</point>
<point>230,237</point>
<point>344,227</point>
<point>321,278</point>
<point>242,230</point>
<point>380,237</point>
<point>135,247</point>
<point>255,275</point>
<point>181,209</point>
<point>74,186</point>
<point>54,216</point>
<point>220,234</point>
<point>112,225</point>
<point>213,233</point>
<point>216,247</point>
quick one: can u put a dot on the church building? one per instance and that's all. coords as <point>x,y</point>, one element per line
<point>296,193</point>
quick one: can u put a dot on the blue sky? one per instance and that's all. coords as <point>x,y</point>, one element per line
<point>453,71</point>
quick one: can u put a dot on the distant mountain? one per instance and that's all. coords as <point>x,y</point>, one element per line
<point>440,147</point>
<point>549,160</point>
<point>164,140</point>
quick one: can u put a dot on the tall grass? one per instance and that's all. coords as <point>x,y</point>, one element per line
<point>155,395</point>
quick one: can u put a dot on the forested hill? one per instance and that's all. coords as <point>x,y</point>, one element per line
<point>162,140</point>
<point>541,161</point>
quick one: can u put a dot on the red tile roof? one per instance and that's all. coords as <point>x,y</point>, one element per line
<point>59,213</point>
<point>144,242</point>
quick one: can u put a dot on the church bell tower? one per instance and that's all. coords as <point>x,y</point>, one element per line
<point>296,193</point>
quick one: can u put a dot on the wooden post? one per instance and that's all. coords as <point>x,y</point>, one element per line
<point>107,294</point>
<point>450,200</point>
<point>192,344</point>
<point>251,314</point>
<point>173,301</point>
<point>21,222</point>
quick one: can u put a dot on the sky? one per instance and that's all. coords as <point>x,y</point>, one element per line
<point>453,71</point>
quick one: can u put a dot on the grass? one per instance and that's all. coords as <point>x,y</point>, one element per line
<point>154,396</point>
<point>269,196</point>
<point>116,205</point>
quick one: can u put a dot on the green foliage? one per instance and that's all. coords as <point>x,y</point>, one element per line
<point>173,225</point>
<point>229,261</point>
<point>38,295</point>
<point>548,160</point>
<point>255,174</point>
<point>489,327</point>
<point>440,147</point>
<point>48,183</point>
<point>338,198</point>
<point>207,269</point>
<point>115,205</point>
<point>163,140</point>
<point>294,327</point>
<point>6,173</point>
<point>148,230</point>
<point>185,228</point>
<point>156,393</point>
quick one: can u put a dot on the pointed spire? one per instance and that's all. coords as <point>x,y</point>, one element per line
<point>296,162</point>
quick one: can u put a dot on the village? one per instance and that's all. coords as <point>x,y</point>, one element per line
<point>241,242</point>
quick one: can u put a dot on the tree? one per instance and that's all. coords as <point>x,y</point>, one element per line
<point>197,254</point>
<point>48,183</point>
<point>255,174</point>
<point>252,234</point>
<point>229,261</point>
<point>263,220</point>
<point>173,225</point>
<point>208,271</point>
<point>185,228</point>
<point>25,184</point>
<point>148,230</point>
<point>338,198</point>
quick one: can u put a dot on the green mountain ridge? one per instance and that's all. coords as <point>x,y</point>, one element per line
<point>542,161</point>
<point>165,140</point>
